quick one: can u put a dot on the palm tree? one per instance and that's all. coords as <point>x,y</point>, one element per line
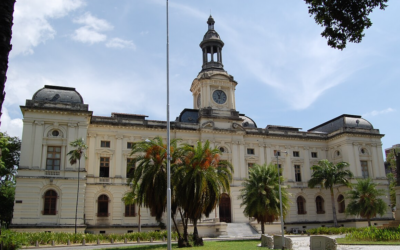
<point>200,182</point>
<point>150,174</point>
<point>132,198</point>
<point>75,155</point>
<point>364,200</point>
<point>260,194</point>
<point>326,174</point>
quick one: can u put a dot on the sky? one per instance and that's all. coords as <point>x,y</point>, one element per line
<point>114,54</point>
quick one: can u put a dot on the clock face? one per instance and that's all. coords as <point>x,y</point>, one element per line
<point>198,101</point>
<point>219,96</point>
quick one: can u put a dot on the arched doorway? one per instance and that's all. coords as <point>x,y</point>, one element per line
<point>225,208</point>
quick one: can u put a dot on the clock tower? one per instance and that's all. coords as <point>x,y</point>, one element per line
<point>214,89</point>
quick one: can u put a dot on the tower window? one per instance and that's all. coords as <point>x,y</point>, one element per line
<point>104,167</point>
<point>53,158</point>
<point>297,173</point>
<point>250,151</point>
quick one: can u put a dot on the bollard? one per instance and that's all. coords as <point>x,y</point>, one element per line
<point>52,243</point>
<point>83,242</point>
<point>37,244</point>
<point>163,238</point>
<point>151,239</point>
<point>125,241</point>
<point>68,242</point>
<point>112,241</point>
<point>138,240</point>
<point>98,241</point>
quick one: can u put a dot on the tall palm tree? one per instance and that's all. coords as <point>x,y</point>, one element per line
<point>260,194</point>
<point>151,173</point>
<point>326,174</point>
<point>132,198</point>
<point>200,182</point>
<point>364,200</point>
<point>75,155</point>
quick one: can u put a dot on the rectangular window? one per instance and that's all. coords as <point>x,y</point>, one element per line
<point>53,158</point>
<point>105,144</point>
<point>129,145</point>
<point>296,154</point>
<point>104,166</point>
<point>277,152</point>
<point>297,173</point>
<point>314,155</point>
<point>250,151</point>
<point>130,210</point>
<point>130,167</point>
<point>364,169</point>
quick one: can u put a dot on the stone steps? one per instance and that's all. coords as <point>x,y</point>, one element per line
<point>241,230</point>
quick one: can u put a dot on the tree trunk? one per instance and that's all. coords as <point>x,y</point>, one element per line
<point>184,242</point>
<point>6,22</point>
<point>333,208</point>
<point>139,224</point>
<point>262,227</point>
<point>197,240</point>
<point>176,226</point>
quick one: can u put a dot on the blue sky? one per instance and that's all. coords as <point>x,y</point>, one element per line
<point>114,54</point>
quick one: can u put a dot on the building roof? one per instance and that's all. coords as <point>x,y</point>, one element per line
<point>57,94</point>
<point>343,121</point>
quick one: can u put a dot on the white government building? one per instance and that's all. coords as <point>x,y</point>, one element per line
<point>47,183</point>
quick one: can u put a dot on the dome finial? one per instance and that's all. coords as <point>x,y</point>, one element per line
<point>210,23</point>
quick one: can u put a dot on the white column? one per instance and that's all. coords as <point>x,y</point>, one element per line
<point>380,160</point>
<point>118,156</point>
<point>357,160</point>
<point>306,171</point>
<point>91,154</point>
<point>236,160</point>
<point>242,162</point>
<point>38,144</point>
<point>261,159</point>
<point>27,144</point>
<point>268,154</point>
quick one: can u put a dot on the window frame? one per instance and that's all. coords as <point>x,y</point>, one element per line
<point>314,154</point>
<point>106,165</point>
<point>130,168</point>
<point>301,205</point>
<point>129,145</point>
<point>341,204</point>
<point>320,205</point>
<point>277,152</point>
<point>250,151</point>
<point>296,153</point>
<point>364,169</point>
<point>297,173</point>
<point>102,206</point>
<point>53,158</point>
<point>105,144</point>
<point>130,210</point>
<point>50,202</point>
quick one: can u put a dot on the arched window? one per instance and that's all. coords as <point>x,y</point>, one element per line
<point>341,204</point>
<point>102,206</point>
<point>319,202</point>
<point>50,202</point>
<point>301,205</point>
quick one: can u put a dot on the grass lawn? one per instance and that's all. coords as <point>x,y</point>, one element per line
<point>343,241</point>
<point>208,245</point>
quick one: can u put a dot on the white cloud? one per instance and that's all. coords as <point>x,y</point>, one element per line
<point>92,30</point>
<point>120,43</point>
<point>13,127</point>
<point>31,25</point>
<point>381,112</point>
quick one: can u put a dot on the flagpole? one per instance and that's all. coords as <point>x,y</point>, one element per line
<point>168,149</point>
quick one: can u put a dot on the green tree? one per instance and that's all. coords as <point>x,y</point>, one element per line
<point>150,173</point>
<point>393,160</point>
<point>327,175</point>
<point>343,20</point>
<point>75,155</point>
<point>364,200</point>
<point>9,161</point>
<point>200,182</point>
<point>260,194</point>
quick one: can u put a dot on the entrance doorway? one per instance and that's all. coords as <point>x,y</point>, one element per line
<point>225,208</point>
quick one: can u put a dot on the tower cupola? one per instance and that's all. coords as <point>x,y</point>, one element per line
<point>212,48</point>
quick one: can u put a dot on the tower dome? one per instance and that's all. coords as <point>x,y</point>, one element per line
<point>212,48</point>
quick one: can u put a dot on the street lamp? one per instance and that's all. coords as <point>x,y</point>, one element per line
<point>280,196</point>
